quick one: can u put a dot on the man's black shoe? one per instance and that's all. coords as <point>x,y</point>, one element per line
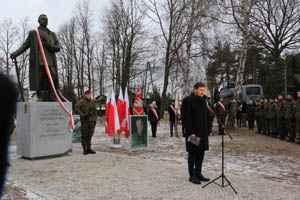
<point>195,180</point>
<point>202,178</point>
<point>91,151</point>
<point>85,152</point>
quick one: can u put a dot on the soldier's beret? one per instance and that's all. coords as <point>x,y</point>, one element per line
<point>87,92</point>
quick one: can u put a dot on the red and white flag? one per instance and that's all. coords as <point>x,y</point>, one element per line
<point>138,104</point>
<point>107,107</point>
<point>125,123</point>
<point>113,118</point>
<point>121,110</point>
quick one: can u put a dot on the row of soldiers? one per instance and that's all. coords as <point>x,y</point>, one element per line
<point>277,117</point>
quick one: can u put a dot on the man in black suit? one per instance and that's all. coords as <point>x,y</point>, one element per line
<point>195,112</point>
<point>172,116</point>
<point>153,117</point>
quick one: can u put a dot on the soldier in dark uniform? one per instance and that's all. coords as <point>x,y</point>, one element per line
<point>280,117</point>
<point>290,118</point>
<point>297,115</point>
<point>88,116</point>
<point>265,114</point>
<point>38,80</point>
<point>261,116</point>
<point>220,111</point>
<point>257,116</point>
<point>271,115</point>
<point>275,121</point>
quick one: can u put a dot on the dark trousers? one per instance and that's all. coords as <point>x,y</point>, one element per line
<point>251,124</point>
<point>172,125</point>
<point>258,124</point>
<point>291,128</point>
<point>281,127</point>
<point>153,129</point>
<point>195,163</point>
<point>239,122</point>
<point>221,124</point>
<point>87,131</point>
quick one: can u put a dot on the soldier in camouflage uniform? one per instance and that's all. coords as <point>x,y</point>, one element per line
<point>290,118</point>
<point>280,117</point>
<point>271,115</point>
<point>266,131</point>
<point>257,117</point>
<point>88,116</point>
<point>261,115</point>
<point>275,121</point>
<point>297,115</point>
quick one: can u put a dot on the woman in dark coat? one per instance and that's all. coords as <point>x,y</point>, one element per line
<point>196,124</point>
<point>250,110</point>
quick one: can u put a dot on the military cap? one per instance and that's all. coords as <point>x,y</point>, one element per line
<point>87,92</point>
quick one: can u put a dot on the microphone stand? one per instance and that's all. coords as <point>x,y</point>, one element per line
<point>222,176</point>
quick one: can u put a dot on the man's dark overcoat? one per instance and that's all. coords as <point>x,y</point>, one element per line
<point>195,114</point>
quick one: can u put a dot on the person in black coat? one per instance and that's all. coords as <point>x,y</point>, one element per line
<point>244,113</point>
<point>153,117</point>
<point>172,114</point>
<point>196,124</point>
<point>250,110</point>
<point>8,101</point>
<point>239,115</point>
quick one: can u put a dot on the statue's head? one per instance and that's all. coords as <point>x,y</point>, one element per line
<point>43,20</point>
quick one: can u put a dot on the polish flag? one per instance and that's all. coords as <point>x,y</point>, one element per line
<point>138,104</point>
<point>113,118</point>
<point>121,110</point>
<point>125,123</point>
<point>107,107</point>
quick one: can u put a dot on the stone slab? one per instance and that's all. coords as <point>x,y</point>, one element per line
<point>42,129</point>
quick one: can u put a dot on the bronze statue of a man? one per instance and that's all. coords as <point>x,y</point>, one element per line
<point>38,80</point>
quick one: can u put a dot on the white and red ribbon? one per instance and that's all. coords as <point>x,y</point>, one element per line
<point>51,81</point>
<point>222,106</point>
<point>155,114</point>
<point>173,109</point>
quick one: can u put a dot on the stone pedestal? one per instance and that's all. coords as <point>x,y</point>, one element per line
<point>42,129</point>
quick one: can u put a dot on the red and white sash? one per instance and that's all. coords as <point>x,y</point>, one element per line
<point>155,114</point>
<point>222,106</point>
<point>51,81</point>
<point>173,109</point>
<point>209,108</point>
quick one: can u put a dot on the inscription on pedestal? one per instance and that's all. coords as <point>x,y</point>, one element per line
<point>42,130</point>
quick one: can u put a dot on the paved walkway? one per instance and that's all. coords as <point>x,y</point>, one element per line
<point>112,176</point>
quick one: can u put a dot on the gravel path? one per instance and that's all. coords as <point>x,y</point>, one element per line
<point>160,172</point>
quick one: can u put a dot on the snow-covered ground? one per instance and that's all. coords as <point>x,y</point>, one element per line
<point>259,167</point>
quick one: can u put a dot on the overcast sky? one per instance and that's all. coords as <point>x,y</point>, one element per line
<point>58,11</point>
